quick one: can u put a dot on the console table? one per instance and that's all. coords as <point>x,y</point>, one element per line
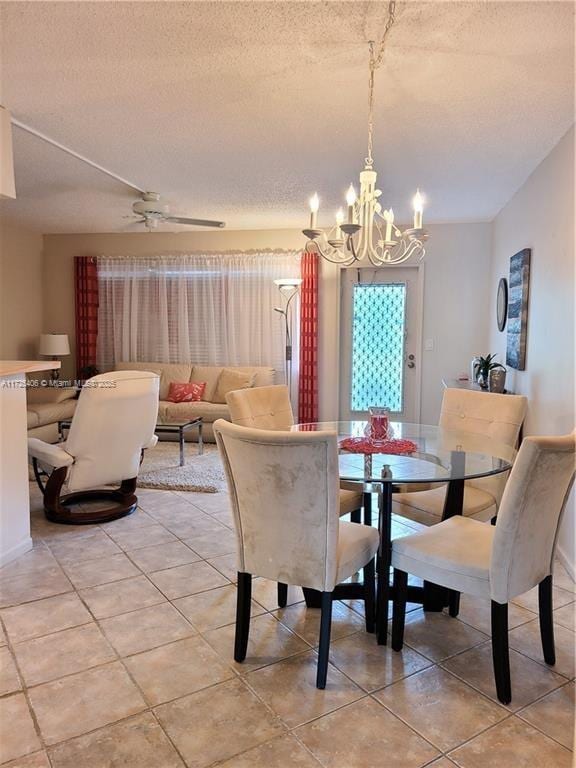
<point>471,385</point>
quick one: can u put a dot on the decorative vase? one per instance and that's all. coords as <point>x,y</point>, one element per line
<point>378,427</point>
<point>497,380</point>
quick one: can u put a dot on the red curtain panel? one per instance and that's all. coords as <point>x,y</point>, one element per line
<point>308,385</point>
<point>86,289</point>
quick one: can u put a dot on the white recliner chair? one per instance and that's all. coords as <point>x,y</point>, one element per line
<point>113,423</point>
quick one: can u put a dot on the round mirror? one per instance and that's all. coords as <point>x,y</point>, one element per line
<point>502,303</point>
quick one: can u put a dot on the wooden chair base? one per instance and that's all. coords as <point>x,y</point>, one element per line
<point>57,507</point>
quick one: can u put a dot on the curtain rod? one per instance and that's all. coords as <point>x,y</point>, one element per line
<point>297,252</point>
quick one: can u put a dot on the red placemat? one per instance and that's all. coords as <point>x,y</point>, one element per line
<point>367,445</point>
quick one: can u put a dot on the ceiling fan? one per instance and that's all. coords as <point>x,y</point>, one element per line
<point>152,210</point>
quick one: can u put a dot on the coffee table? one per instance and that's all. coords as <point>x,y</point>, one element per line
<point>162,427</point>
<point>179,428</point>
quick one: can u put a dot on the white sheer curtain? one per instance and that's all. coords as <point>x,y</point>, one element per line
<point>208,309</point>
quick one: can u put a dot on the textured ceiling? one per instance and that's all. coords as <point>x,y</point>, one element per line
<point>240,110</point>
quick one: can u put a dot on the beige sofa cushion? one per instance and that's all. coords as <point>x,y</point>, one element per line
<point>263,376</point>
<point>48,413</point>
<point>152,367</point>
<point>209,374</point>
<point>168,372</point>
<point>181,411</point>
<point>231,380</point>
<point>184,372</point>
<point>36,395</point>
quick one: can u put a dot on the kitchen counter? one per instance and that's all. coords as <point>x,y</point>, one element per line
<point>14,489</point>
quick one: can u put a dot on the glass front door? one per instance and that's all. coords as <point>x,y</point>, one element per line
<point>379,340</point>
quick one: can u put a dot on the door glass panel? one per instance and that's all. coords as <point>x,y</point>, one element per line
<point>378,319</point>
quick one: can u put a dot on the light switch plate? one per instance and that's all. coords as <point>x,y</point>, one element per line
<point>428,345</point>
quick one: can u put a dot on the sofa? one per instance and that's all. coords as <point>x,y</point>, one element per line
<point>45,407</point>
<point>219,380</point>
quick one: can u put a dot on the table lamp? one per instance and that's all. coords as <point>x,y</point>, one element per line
<point>54,345</point>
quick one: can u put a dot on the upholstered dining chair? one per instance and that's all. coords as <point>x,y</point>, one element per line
<point>113,423</point>
<point>501,561</point>
<point>487,414</point>
<point>284,491</point>
<point>270,408</point>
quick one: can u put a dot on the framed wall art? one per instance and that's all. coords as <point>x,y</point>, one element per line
<point>518,290</point>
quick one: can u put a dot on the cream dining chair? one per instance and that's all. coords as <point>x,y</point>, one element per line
<point>494,416</point>
<point>113,423</point>
<point>501,561</point>
<point>284,492</point>
<point>270,408</point>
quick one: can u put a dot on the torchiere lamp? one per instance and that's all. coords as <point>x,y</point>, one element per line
<point>288,287</point>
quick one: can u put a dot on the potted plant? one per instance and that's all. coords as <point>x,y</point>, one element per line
<point>483,367</point>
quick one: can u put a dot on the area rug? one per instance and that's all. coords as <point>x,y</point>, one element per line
<point>161,469</point>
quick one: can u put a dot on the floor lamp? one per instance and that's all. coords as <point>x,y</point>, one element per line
<point>288,287</point>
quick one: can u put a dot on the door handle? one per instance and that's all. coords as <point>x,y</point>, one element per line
<point>411,363</point>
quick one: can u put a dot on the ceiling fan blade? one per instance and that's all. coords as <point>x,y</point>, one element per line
<point>195,222</point>
<point>131,225</point>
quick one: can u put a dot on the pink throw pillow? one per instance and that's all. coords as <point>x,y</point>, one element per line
<point>189,392</point>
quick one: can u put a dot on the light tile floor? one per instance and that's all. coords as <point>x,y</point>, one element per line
<point>116,649</point>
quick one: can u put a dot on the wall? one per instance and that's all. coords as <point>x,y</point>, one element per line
<point>455,294</point>
<point>20,292</point>
<point>540,216</point>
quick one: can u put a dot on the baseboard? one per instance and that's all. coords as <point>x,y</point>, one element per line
<point>565,560</point>
<point>14,552</point>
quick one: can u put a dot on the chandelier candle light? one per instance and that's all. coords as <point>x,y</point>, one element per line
<point>364,235</point>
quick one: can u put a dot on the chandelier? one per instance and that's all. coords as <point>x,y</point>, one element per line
<point>369,231</point>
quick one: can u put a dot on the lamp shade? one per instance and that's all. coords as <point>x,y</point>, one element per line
<point>54,344</point>
<point>288,283</point>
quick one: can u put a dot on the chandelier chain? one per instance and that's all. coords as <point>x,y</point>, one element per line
<point>374,62</point>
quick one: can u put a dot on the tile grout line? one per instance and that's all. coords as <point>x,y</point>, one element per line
<point>238,675</point>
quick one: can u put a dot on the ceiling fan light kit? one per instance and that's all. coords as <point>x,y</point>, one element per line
<point>370,232</point>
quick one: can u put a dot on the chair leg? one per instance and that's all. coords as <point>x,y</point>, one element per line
<point>367,508</point>
<point>356,516</point>
<point>243,599</point>
<point>324,647</point>
<point>400,587</point>
<point>370,595</point>
<point>546,623</point>
<point>453,603</point>
<point>282,595</point>
<point>500,654</point>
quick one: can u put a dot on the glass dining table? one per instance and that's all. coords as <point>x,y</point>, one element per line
<point>412,454</point>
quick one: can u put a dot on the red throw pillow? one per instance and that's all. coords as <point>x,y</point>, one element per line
<point>189,392</point>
